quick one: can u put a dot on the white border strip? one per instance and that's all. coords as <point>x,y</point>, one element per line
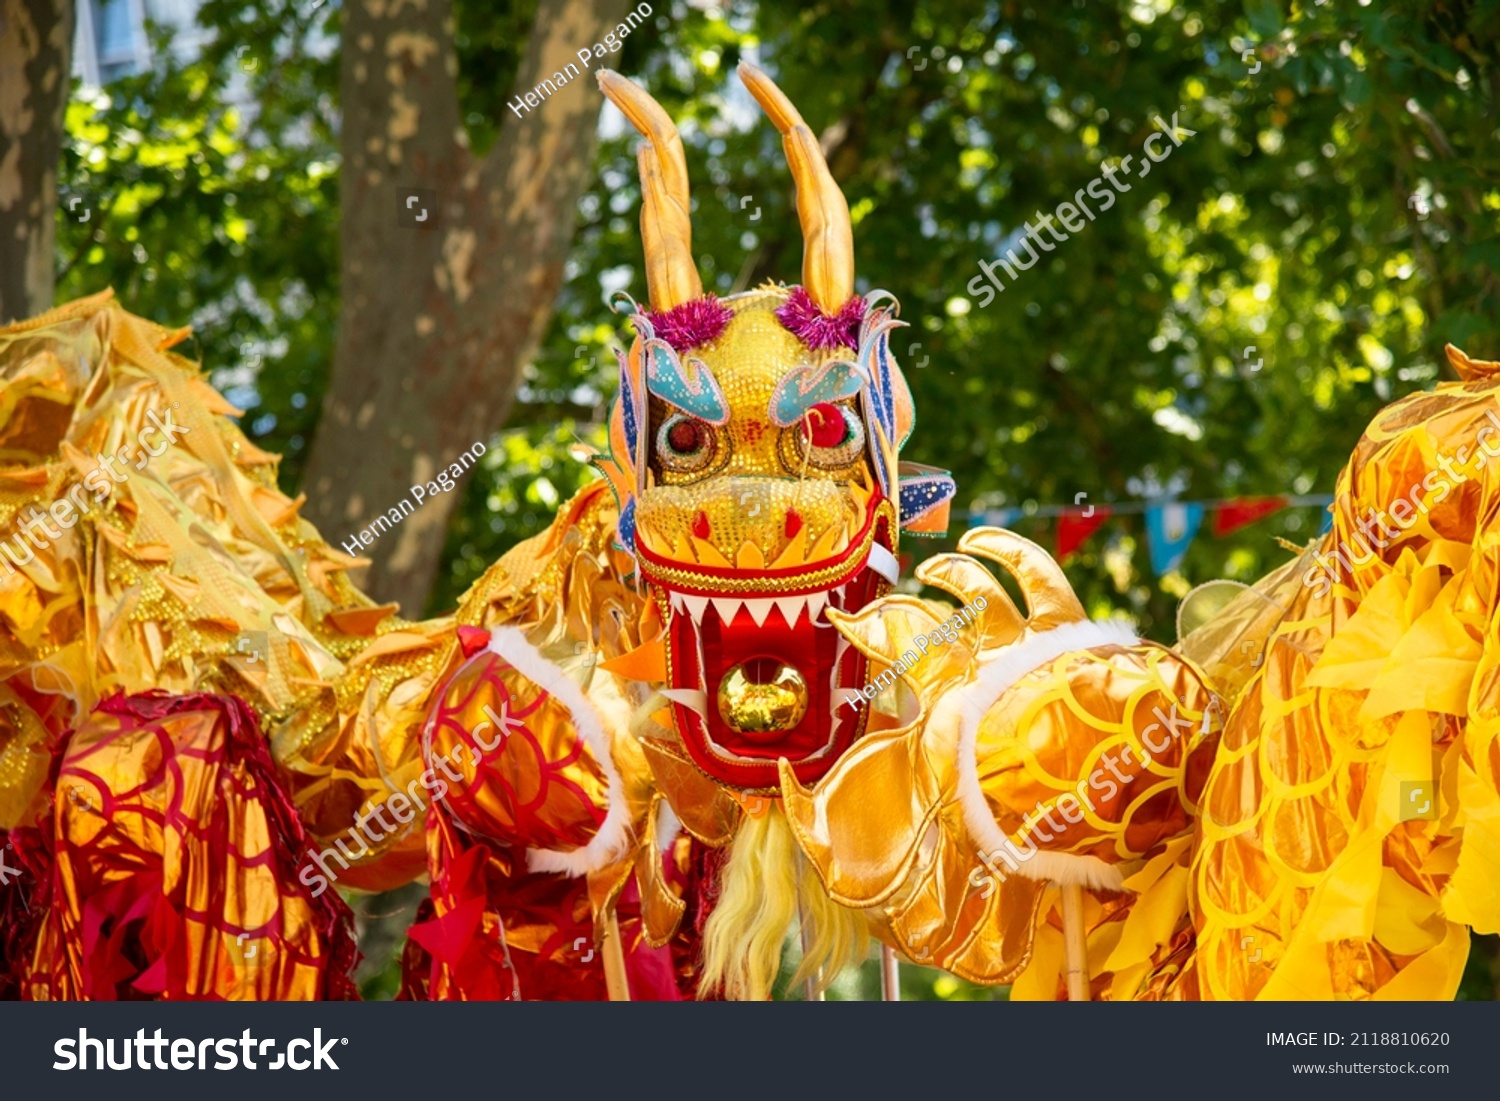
<point>994,680</point>
<point>884,563</point>
<point>613,834</point>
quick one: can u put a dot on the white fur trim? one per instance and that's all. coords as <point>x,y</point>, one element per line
<point>668,826</point>
<point>613,834</point>
<point>994,680</point>
<point>1066,869</point>
<point>884,563</point>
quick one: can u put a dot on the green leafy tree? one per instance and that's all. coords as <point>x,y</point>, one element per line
<point>36,39</point>
<point>1336,206</point>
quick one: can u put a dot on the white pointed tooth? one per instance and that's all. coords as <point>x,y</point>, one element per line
<point>845,704</point>
<point>840,598</point>
<point>694,700</point>
<point>791,608</point>
<point>836,672</point>
<point>816,602</point>
<point>838,660</point>
<point>696,606</point>
<point>759,609</point>
<point>727,607</point>
<point>677,604</point>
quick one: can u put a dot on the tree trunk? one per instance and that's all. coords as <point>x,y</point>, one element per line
<point>36,50</point>
<point>450,266</point>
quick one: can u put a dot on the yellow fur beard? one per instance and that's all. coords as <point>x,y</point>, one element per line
<point>759,891</point>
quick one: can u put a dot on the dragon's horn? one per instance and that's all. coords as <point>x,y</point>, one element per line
<point>666,232</point>
<point>827,233</point>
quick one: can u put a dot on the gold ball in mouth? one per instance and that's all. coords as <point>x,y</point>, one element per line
<point>762,696</point>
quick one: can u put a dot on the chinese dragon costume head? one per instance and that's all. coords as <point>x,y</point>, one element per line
<point>754,456</point>
<point>754,459</point>
<point>694,712</point>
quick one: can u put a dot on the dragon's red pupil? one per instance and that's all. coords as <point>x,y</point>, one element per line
<point>684,437</point>
<point>825,425</point>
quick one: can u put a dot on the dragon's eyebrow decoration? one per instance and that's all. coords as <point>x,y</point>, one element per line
<point>691,387</point>
<point>803,387</point>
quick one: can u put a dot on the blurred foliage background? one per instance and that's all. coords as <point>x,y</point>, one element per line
<point>1338,208</point>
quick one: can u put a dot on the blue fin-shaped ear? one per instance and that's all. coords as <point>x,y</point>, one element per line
<point>632,401</point>
<point>692,389</point>
<point>925,493</point>
<point>630,406</point>
<point>631,437</point>
<point>803,387</point>
<point>879,395</point>
<point>625,529</point>
<point>875,359</point>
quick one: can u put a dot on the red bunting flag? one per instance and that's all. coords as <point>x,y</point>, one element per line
<point>1074,527</point>
<point>1235,514</point>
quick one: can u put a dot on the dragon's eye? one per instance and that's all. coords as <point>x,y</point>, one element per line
<point>831,436</point>
<point>684,444</point>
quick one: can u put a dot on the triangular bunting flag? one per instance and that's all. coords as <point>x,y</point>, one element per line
<point>993,518</point>
<point>1233,515</point>
<point>1074,528</point>
<point>1169,533</point>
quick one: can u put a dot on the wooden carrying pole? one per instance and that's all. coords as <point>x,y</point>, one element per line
<point>1075,943</point>
<point>614,960</point>
<point>890,975</point>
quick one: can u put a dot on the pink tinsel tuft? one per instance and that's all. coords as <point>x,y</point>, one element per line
<point>809,324</point>
<point>696,322</point>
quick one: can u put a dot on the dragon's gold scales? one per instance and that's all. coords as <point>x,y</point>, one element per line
<point>1230,849</point>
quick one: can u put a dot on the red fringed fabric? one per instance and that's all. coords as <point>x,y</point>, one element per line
<point>494,931</point>
<point>171,870</point>
<point>20,911</point>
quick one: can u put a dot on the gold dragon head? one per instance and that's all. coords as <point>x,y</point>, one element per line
<point>754,450</point>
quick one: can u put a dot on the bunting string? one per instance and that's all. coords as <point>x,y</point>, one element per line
<point>1171,525</point>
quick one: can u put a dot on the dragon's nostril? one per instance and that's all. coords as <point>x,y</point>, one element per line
<point>793,523</point>
<point>700,524</point>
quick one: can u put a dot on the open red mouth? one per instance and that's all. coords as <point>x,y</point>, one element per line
<point>758,673</point>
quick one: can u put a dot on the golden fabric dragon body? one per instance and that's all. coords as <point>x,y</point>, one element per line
<point>697,706</point>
